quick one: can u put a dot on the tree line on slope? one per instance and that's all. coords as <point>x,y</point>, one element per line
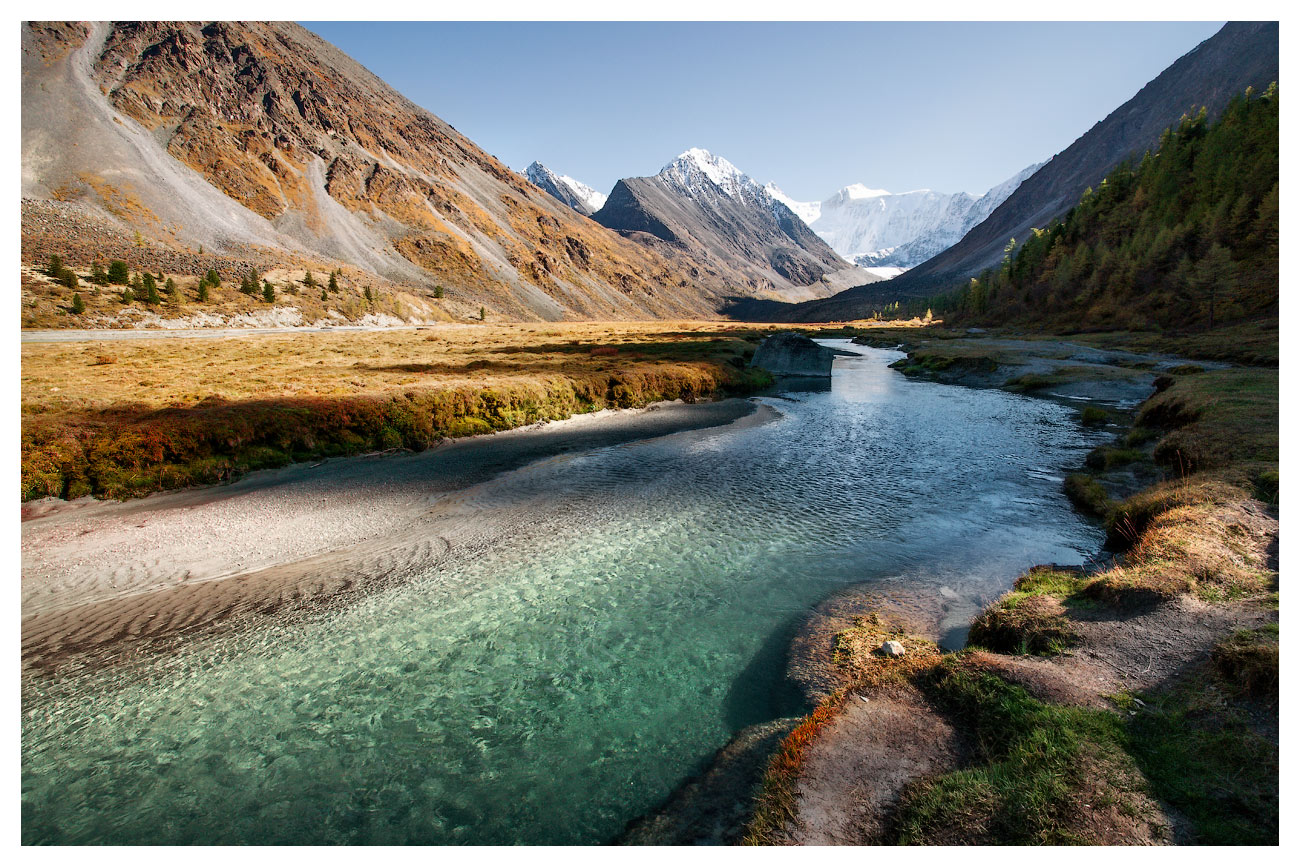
<point>1187,239</point>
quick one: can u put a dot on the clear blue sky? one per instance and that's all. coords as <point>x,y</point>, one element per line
<point>811,106</point>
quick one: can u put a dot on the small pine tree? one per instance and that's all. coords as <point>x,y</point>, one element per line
<point>213,278</point>
<point>309,281</point>
<point>148,282</point>
<point>118,274</point>
<point>203,290</point>
<point>78,306</point>
<point>268,292</point>
<point>98,275</point>
<point>137,285</point>
<point>68,278</point>
<point>173,294</point>
<point>324,295</point>
<point>437,291</point>
<point>370,295</point>
<point>482,314</point>
<point>151,296</point>
<point>55,268</point>
<point>334,282</point>
<point>127,295</point>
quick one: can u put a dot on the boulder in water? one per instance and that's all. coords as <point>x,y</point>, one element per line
<point>792,354</point>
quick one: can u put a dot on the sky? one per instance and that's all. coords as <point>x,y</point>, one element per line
<point>812,106</point>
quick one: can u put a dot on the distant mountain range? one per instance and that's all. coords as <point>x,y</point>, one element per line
<point>194,145</point>
<point>703,203</point>
<point>875,228</point>
<point>881,232</point>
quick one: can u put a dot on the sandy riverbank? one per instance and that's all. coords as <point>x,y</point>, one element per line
<point>99,576</point>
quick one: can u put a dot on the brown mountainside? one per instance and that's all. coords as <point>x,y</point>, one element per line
<point>261,142</point>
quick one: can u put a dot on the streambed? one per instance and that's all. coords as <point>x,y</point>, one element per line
<point>624,612</point>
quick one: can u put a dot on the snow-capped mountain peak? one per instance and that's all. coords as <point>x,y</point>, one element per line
<point>692,165</point>
<point>806,211</point>
<point>872,227</point>
<point>860,191</point>
<point>573,193</point>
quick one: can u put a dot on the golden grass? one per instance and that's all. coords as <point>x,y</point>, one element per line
<point>181,372</point>
<point>127,417</point>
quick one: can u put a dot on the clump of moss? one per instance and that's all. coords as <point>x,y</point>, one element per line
<point>1247,661</point>
<point>1087,495</point>
<point>1203,756</point>
<point>1093,416</point>
<point>1025,624</point>
<point>1105,458</point>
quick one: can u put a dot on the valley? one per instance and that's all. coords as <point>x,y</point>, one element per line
<point>373,492</point>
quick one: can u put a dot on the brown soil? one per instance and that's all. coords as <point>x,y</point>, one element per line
<point>854,774</point>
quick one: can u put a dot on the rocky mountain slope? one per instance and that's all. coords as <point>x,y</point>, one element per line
<point>262,144</point>
<point>1241,55</point>
<point>702,203</point>
<point>877,228</point>
<point>574,193</point>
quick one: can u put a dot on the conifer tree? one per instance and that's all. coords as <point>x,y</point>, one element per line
<point>78,305</point>
<point>118,273</point>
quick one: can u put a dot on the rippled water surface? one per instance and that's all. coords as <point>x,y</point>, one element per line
<point>628,616</point>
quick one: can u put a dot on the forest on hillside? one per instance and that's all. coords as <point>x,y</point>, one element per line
<point>1186,239</point>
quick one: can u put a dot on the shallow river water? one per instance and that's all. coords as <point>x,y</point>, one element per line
<point>632,614</point>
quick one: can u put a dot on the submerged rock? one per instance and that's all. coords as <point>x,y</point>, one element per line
<point>792,354</point>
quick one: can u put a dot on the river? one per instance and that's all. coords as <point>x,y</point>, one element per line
<point>627,614</point>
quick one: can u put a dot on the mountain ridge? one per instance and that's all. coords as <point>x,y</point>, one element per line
<point>260,143</point>
<point>1240,55</point>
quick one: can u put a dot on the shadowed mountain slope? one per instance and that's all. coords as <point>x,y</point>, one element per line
<point>702,203</point>
<point>1241,55</point>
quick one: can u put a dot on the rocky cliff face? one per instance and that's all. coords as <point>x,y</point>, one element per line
<point>264,143</point>
<point>702,203</point>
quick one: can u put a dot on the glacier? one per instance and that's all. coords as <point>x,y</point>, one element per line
<point>884,231</point>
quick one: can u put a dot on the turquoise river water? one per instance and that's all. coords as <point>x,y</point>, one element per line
<point>554,685</point>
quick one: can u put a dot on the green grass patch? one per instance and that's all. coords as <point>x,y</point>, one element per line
<point>1093,416</point>
<point>1202,756</point>
<point>1087,495</point>
<point>1034,762</point>
<point>1105,458</point>
<point>1217,419</point>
